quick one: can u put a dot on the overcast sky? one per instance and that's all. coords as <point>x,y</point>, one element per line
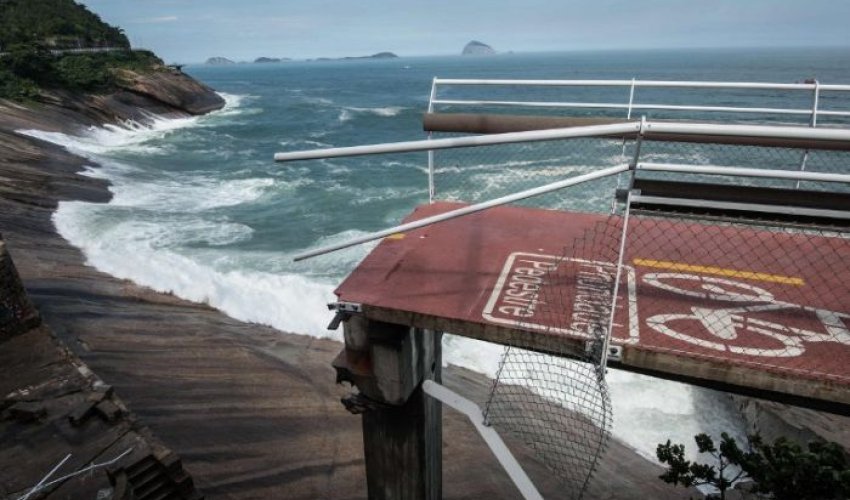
<point>193,30</point>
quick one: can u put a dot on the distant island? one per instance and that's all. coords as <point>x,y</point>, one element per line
<point>379,55</point>
<point>219,61</point>
<point>476,48</point>
<point>263,60</point>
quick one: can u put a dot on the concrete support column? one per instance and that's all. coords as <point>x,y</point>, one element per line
<point>402,427</point>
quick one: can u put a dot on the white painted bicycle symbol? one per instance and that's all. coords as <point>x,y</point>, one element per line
<point>723,329</point>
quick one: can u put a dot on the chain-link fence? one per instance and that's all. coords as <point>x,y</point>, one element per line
<point>741,287</point>
<point>743,293</point>
<point>478,174</point>
<point>558,403</point>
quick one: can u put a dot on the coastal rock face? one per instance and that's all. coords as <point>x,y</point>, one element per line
<point>476,48</point>
<point>174,89</point>
<point>168,93</point>
<point>17,313</point>
<point>773,420</point>
<point>219,61</point>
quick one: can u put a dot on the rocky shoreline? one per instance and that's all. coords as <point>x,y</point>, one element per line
<point>253,412</point>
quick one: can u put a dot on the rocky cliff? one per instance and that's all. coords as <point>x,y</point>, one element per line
<point>166,92</point>
<point>173,89</point>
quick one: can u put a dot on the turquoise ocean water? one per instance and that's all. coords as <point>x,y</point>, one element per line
<point>201,210</point>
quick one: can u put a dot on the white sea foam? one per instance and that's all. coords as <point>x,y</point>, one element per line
<point>130,136</point>
<point>320,101</point>
<point>137,252</point>
<point>304,142</point>
<point>188,195</point>
<point>348,112</point>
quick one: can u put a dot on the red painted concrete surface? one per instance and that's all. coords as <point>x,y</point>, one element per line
<point>770,299</point>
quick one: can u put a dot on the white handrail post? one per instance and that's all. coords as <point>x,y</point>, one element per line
<point>623,151</point>
<point>431,188</point>
<point>631,100</point>
<point>812,123</point>
<point>606,342</point>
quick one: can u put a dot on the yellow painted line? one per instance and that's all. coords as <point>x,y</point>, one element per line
<point>719,271</point>
<point>396,236</point>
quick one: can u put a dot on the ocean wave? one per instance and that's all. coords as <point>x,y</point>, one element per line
<point>171,231</point>
<point>188,195</point>
<point>373,195</point>
<point>348,112</point>
<point>233,106</point>
<point>306,142</point>
<point>131,136</point>
<point>128,250</point>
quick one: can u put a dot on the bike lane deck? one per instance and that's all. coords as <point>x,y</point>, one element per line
<point>756,311</point>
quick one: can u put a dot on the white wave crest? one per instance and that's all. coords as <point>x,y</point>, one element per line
<point>348,112</point>
<point>130,136</point>
<point>189,195</point>
<point>126,250</point>
<point>233,106</point>
<point>306,142</point>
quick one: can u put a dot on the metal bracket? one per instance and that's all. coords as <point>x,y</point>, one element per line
<point>614,352</point>
<point>357,404</point>
<point>348,307</point>
<point>344,310</point>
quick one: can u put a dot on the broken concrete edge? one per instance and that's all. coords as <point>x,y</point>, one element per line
<point>17,313</point>
<point>29,405</point>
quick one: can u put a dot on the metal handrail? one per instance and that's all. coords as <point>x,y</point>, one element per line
<point>643,83</point>
<point>643,128</point>
<point>461,142</point>
<point>815,87</point>
<point>467,210</point>
<point>488,434</point>
<point>765,173</point>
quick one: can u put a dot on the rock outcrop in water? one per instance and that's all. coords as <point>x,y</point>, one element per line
<point>219,61</point>
<point>476,48</point>
<point>174,89</point>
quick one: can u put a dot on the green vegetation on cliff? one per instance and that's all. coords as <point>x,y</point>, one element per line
<point>58,24</point>
<point>34,32</point>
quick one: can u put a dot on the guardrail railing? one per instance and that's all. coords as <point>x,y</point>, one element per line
<point>631,99</point>
<point>642,129</point>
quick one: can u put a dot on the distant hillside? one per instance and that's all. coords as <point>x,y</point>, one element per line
<point>476,48</point>
<point>267,60</point>
<point>57,24</point>
<point>31,31</point>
